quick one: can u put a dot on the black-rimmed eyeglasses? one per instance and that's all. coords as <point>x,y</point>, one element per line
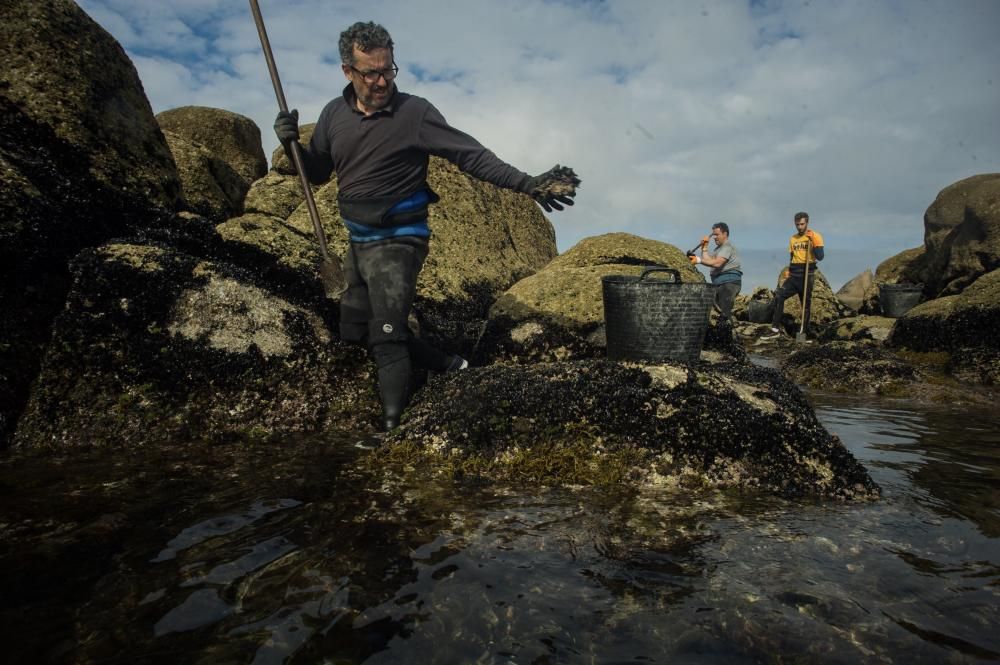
<point>372,75</point>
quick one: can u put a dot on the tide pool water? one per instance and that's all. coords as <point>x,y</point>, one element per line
<point>287,554</point>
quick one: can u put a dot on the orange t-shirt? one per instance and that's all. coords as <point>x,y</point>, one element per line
<point>800,248</point>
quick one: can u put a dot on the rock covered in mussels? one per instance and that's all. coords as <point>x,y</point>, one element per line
<point>862,368</point>
<point>157,346</point>
<point>728,425</point>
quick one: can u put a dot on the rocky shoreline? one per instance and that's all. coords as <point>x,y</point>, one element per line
<point>160,284</point>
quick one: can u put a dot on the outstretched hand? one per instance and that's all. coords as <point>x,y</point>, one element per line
<point>554,188</point>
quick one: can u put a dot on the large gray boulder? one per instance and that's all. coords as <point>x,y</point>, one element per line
<point>853,294</point>
<point>82,160</point>
<point>210,186</point>
<point>231,137</point>
<point>962,235</point>
<point>726,425</point>
<point>558,313</point>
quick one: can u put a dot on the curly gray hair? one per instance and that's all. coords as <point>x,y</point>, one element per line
<point>366,36</point>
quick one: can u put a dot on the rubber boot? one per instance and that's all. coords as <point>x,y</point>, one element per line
<point>394,370</point>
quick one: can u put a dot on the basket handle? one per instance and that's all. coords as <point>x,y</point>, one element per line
<point>651,269</point>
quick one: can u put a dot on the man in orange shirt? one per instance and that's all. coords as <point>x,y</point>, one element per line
<point>805,248</point>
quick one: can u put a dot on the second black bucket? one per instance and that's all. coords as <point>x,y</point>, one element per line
<point>897,299</point>
<point>760,311</point>
<point>655,320</point>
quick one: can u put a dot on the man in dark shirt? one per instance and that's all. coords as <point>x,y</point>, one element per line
<point>379,140</point>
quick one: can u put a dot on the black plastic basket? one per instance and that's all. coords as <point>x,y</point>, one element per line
<point>760,311</point>
<point>898,299</point>
<point>655,319</point>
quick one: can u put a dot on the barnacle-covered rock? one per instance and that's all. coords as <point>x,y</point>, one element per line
<point>156,346</point>
<point>851,367</point>
<point>728,425</point>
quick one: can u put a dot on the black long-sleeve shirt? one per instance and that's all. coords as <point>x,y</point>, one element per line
<point>386,154</point>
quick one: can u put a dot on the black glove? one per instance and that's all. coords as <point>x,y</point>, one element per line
<point>286,126</point>
<point>554,187</point>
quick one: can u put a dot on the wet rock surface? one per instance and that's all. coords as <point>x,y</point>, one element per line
<point>157,346</point>
<point>851,367</point>
<point>728,425</point>
<point>964,326</point>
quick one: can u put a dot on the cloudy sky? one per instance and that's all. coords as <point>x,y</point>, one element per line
<point>676,113</point>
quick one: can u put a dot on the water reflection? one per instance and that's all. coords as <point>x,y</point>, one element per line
<point>950,456</point>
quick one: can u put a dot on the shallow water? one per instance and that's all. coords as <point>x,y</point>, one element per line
<point>230,554</point>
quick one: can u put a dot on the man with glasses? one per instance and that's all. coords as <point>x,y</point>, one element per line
<point>379,141</point>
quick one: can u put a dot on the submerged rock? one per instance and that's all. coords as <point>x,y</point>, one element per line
<point>729,425</point>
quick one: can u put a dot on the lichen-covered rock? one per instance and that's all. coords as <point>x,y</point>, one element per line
<point>903,268</point>
<point>231,137</point>
<point>279,160</point>
<point>730,425</point>
<point>156,346</point>
<point>860,368</point>
<point>964,326</point>
<point>558,313</point>
<point>275,195</point>
<point>859,328</point>
<point>210,186</point>
<point>283,255</point>
<point>82,160</point>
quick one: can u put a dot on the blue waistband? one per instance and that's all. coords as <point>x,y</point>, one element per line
<point>726,277</point>
<point>362,233</point>
<point>419,228</point>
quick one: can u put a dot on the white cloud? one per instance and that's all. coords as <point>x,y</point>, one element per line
<point>676,114</point>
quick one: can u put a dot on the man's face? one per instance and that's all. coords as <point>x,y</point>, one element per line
<point>368,77</point>
<point>719,236</point>
<point>801,225</point>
